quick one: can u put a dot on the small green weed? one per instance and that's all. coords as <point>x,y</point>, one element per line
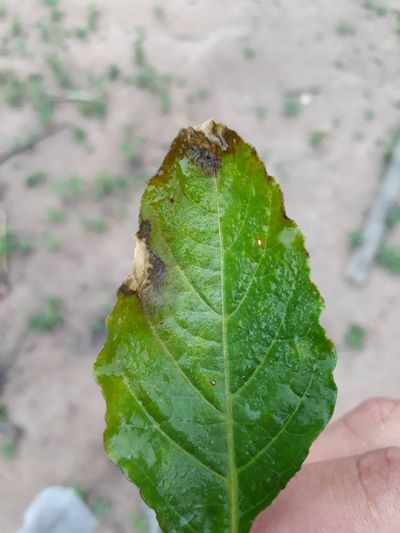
<point>113,71</point>
<point>106,184</point>
<point>139,56</point>
<point>345,29</point>
<point>249,52</point>
<point>13,88</point>
<point>146,75</point>
<point>379,9</point>
<point>393,216</point>
<point>49,318</point>
<point>35,179</point>
<point>291,106</point>
<point>369,115</point>
<point>3,412</point>
<point>69,189</point>
<point>159,13</point>
<point>96,108</point>
<point>8,449</point>
<point>42,101</point>
<point>59,71</point>
<point>78,134</point>
<point>98,324</point>
<point>55,215</point>
<point>397,29</point>
<point>56,15</point>
<point>389,258</point>
<point>16,28</point>
<point>100,508</point>
<point>316,138</point>
<point>339,64</point>
<point>97,225</point>
<point>130,144</point>
<point>103,185</point>
<point>355,238</point>
<point>24,245</point>
<point>391,145</point>
<point>260,112</point>
<point>355,337</point>
<point>80,492</point>
<point>52,243</point>
<point>50,3</point>
<point>80,33</point>
<point>97,327</point>
<point>11,243</point>
<point>3,11</point>
<point>93,16</point>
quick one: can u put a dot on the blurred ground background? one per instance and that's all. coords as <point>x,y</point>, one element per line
<point>105,86</point>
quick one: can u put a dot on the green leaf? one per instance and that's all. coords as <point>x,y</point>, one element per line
<point>216,372</point>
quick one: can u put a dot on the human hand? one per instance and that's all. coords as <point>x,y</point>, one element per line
<point>350,482</point>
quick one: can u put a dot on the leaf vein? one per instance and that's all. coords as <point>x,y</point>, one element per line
<point>232,481</point>
<point>137,465</point>
<point>195,204</point>
<point>243,223</point>
<point>169,354</point>
<point>287,422</point>
<point>252,277</point>
<point>157,425</point>
<point>274,340</point>
<point>184,276</point>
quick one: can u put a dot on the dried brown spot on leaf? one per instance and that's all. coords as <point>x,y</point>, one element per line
<point>148,268</point>
<point>205,142</point>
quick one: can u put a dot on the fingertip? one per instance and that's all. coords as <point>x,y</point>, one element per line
<point>357,493</point>
<point>375,423</point>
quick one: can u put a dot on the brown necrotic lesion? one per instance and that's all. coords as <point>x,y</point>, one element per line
<point>207,161</point>
<point>205,144</point>
<point>148,269</point>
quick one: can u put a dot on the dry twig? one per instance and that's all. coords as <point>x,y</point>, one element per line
<point>361,259</point>
<point>31,143</point>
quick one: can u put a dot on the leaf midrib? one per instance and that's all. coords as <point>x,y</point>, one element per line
<point>232,474</point>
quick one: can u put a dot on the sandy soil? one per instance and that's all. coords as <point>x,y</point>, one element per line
<point>235,61</point>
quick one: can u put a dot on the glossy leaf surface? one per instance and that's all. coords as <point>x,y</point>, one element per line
<point>216,373</point>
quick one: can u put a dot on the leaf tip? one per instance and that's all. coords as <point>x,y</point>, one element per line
<point>213,132</point>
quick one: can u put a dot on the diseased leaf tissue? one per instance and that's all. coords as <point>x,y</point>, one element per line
<point>216,372</point>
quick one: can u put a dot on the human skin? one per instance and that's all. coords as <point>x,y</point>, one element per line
<point>350,482</point>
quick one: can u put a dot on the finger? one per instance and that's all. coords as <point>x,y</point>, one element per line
<point>373,424</point>
<point>358,494</point>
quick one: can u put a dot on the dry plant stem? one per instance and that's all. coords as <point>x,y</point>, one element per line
<point>361,259</point>
<point>74,96</point>
<point>47,133</point>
